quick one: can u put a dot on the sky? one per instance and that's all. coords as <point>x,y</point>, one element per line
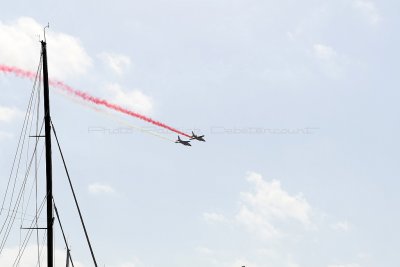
<point>298,102</point>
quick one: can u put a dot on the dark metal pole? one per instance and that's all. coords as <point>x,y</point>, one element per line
<point>69,257</point>
<point>49,175</point>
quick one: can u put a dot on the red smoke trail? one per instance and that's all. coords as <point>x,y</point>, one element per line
<point>17,71</point>
<point>89,98</point>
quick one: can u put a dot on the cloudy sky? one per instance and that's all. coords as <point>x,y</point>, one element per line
<point>298,101</point>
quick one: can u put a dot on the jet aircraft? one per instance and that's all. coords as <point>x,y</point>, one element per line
<point>197,137</point>
<point>180,141</point>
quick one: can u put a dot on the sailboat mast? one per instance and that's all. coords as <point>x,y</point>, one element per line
<point>49,174</point>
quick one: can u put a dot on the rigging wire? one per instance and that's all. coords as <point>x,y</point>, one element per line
<point>16,167</point>
<point>20,213</point>
<point>28,236</point>
<point>33,185</point>
<point>35,107</point>
<point>17,199</point>
<point>42,248</point>
<point>17,204</point>
<point>31,125</point>
<point>63,234</point>
<point>73,193</point>
<point>20,137</point>
<point>36,171</point>
<point>31,118</point>
<point>19,151</point>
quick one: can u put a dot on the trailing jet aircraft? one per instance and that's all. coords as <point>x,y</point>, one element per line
<point>180,141</point>
<point>197,137</point>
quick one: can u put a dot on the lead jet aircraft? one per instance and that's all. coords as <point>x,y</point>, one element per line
<point>180,141</point>
<point>197,137</point>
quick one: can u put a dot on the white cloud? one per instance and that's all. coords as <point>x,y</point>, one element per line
<point>256,223</point>
<point>212,217</point>
<point>369,9</point>
<point>20,47</point>
<point>342,226</point>
<point>345,265</point>
<point>270,199</point>
<point>269,203</point>
<point>135,262</point>
<point>243,262</point>
<point>127,264</point>
<point>265,207</point>
<point>8,114</point>
<point>116,62</point>
<point>29,258</point>
<point>330,62</point>
<point>220,258</point>
<point>98,188</point>
<point>134,99</point>
<point>324,52</point>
